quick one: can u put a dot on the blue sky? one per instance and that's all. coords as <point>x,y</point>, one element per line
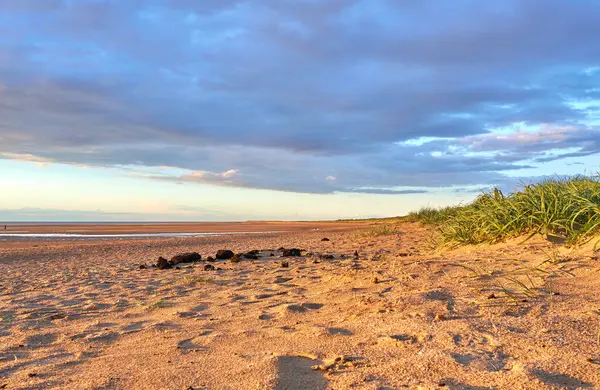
<point>280,109</point>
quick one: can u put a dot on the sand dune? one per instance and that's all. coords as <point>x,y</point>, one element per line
<point>400,315</point>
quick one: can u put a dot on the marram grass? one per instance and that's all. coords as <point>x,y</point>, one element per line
<point>567,208</point>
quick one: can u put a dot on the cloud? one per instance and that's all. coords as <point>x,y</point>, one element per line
<point>285,91</point>
<point>227,178</point>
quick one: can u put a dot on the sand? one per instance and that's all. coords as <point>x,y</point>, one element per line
<point>83,315</point>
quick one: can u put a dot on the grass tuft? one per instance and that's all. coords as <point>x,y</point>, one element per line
<point>565,209</point>
<point>379,230</point>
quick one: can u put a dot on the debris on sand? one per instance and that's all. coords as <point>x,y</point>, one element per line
<point>292,252</point>
<point>235,258</point>
<point>285,264</point>
<point>339,363</point>
<point>252,255</point>
<point>440,317</point>
<point>325,239</point>
<point>163,263</point>
<point>209,267</point>
<point>224,254</point>
<point>190,257</point>
<point>210,259</point>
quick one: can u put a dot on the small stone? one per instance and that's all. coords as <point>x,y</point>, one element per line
<point>210,259</point>
<point>355,253</point>
<point>235,258</point>
<point>292,252</point>
<point>32,374</point>
<point>285,264</point>
<point>190,257</point>
<point>375,280</point>
<point>325,239</point>
<point>327,257</point>
<point>440,317</point>
<point>143,266</point>
<point>224,254</point>
<point>209,267</point>
<point>252,255</point>
<point>163,263</point>
<point>492,296</point>
<point>556,293</point>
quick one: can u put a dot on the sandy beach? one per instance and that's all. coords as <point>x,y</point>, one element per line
<point>84,315</point>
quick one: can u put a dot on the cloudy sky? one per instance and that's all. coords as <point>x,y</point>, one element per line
<point>288,109</point>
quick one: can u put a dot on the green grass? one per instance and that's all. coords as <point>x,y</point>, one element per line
<point>378,230</point>
<point>565,207</point>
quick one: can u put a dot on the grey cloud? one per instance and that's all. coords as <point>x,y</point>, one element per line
<point>289,93</point>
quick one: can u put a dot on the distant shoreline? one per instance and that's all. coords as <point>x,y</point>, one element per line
<point>166,228</point>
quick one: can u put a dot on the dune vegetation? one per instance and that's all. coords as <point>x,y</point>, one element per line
<point>563,209</point>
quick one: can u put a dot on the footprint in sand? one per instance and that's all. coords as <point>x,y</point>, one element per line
<point>439,295</point>
<point>280,279</point>
<point>482,360</point>
<point>302,307</point>
<point>187,346</point>
<point>558,380</point>
<point>296,373</point>
<point>193,312</point>
<point>194,344</point>
<point>107,337</point>
<point>166,325</point>
<point>338,332</point>
<point>40,340</point>
<point>134,327</point>
<point>403,338</point>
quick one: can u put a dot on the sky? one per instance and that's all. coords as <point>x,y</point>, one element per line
<point>228,110</point>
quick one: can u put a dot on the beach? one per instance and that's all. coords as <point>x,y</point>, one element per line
<point>358,310</point>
